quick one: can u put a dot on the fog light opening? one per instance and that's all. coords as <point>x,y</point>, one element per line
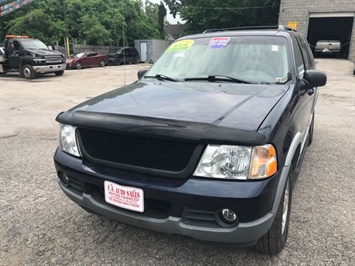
<point>228,216</point>
<point>65,179</point>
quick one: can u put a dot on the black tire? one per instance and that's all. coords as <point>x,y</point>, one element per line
<point>28,72</point>
<point>273,242</point>
<point>59,73</point>
<point>353,72</point>
<point>79,65</point>
<point>102,63</point>
<point>310,133</point>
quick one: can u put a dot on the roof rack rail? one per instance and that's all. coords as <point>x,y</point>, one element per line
<point>280,27</point>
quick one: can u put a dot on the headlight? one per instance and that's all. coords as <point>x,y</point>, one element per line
<point>237,162</point>
<point>68,142</point>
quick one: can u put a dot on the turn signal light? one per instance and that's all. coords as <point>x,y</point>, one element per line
<point>264,162</point>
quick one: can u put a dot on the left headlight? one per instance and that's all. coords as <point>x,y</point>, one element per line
<point>237,162</point>
<point>68,141</point>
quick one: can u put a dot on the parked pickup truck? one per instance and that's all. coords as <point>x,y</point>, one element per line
<point>208,143</point>
<point>328,47</point>
<point>30,57</point>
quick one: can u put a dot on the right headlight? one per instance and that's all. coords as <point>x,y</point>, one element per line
<point>237,162</point>
<point>68,141</point>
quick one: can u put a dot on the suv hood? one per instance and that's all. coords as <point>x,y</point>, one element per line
<point>241,106</point>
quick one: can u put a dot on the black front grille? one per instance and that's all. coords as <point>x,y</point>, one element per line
<point>159,154</point>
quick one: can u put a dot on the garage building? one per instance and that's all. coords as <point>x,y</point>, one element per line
<point>322,20</point>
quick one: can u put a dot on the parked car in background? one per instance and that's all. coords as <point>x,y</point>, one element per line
<point>123,55</point>
<point>88,59</point>
<point>328,47</point>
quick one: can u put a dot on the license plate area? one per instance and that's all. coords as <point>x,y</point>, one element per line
<point>129,198</point>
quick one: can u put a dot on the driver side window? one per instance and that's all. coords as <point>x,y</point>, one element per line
<point>16,46</point>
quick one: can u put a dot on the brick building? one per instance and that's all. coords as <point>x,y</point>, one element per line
<point>321,20</point>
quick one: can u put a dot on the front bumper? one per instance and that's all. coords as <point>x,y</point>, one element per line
<point>49,68</point>
<point>200,199</point>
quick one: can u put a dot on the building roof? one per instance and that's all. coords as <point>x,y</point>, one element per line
<point>173,32</point>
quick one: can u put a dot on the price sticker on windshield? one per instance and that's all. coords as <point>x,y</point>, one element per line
<point>217,43</point>
<point>179,46</point>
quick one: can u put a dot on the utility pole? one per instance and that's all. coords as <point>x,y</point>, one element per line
<point>66,41</point>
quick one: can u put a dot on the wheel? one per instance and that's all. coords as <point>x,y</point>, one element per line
<point>59,73</point>
<point>275,239</point>
<point>28,72</point>
<point>79,65</point>
<point>310,133</point>
<point>102,63</point>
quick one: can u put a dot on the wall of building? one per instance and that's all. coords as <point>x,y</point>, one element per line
<point>299,11</point>
<point>154,48</point>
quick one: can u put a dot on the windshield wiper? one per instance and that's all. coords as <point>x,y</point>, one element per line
<point>162,77</point>
<point>214,78</point>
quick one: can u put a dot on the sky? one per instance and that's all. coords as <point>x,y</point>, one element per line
<point>170,18</point>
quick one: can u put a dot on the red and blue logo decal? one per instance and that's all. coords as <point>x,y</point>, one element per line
<point>217,43</point>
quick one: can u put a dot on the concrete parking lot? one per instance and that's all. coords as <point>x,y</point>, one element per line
<point>41,226</point>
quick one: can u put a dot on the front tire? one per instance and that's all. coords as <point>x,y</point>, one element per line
<point>310,133</point>
<point>79,65</point>
<point>59,73</point>
<point>102,63</point>
<point>273,242</point>
<point>28,72</point>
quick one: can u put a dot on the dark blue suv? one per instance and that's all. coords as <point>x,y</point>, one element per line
<point>208,143</point>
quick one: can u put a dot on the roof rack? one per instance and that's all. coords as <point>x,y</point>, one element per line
<point>280,28</point>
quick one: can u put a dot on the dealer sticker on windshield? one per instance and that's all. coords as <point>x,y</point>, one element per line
<point>129,198</point>
<point>217,43</point>
<point>180,46</point>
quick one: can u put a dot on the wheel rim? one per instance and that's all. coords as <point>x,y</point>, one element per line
<point>285,208</point>
<point>102,63</point>
<point>78,65</point>
<point>27,72</point>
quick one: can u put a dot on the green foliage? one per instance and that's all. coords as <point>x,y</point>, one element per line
<point>207,14</point>
<point>37,23</point>
<point>98,22</point>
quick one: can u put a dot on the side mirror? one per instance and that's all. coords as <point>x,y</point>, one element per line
<point>141,73</point>
<point>315,78</point>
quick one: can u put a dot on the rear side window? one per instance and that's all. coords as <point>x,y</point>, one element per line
<point>298,57</point>
<point>134,51</point>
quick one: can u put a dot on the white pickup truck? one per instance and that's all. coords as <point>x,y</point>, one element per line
<point>328,47</point>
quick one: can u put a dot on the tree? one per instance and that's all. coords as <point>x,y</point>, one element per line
<point>36,23</point>
<point>203,14</point>
<point>99,22</point>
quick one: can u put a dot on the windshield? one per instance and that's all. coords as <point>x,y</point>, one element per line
<point>254,59</point>
<point>33,44</point>
<point>80,55</point>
